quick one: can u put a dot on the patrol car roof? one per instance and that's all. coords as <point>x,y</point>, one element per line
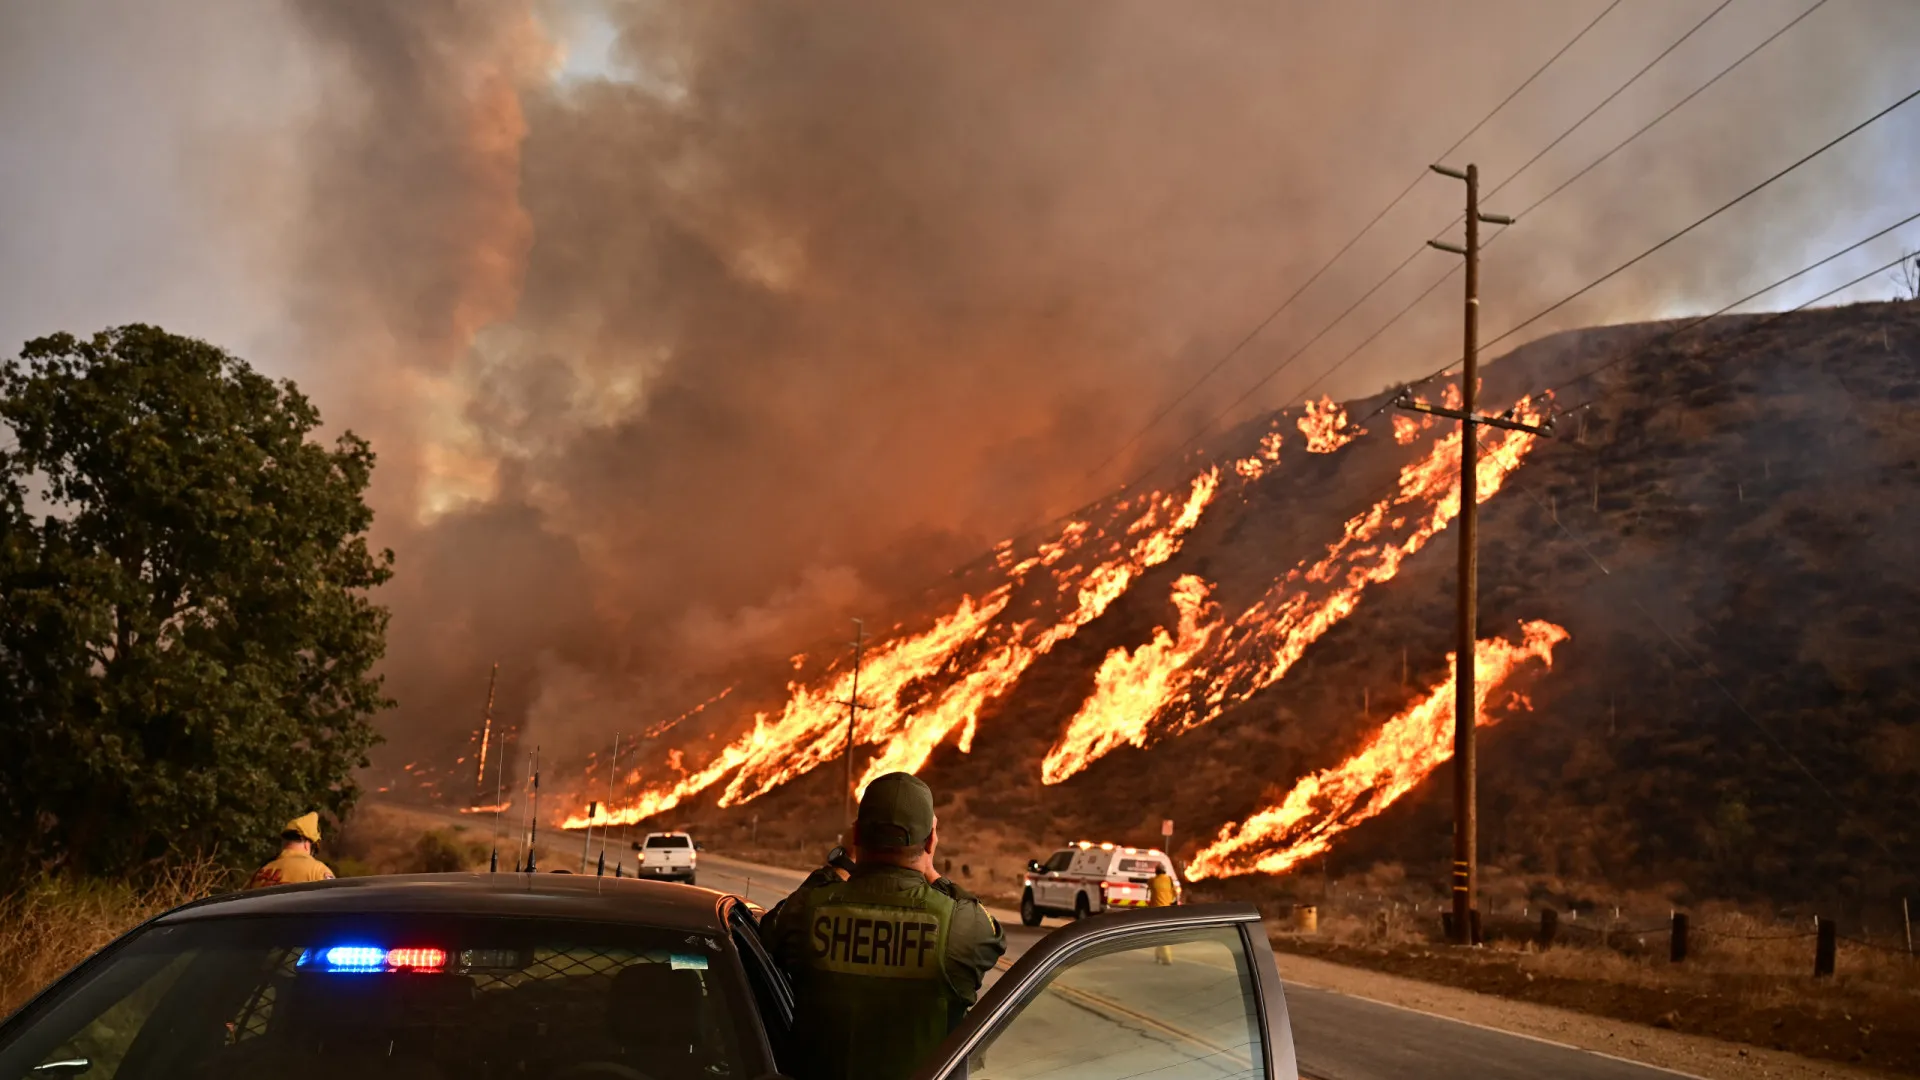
<point>549,896</point>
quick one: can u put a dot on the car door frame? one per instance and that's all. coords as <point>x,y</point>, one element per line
<point>1063,946</point>
<point>759,967</point>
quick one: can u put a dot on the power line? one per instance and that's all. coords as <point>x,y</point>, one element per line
<point>1723,208</point>
<point>1810,267</point>
<point>1275,313</point>
<point>1760,324</point>
<point>1671,109</point>
<point>1617,147</point>
<point>1563,185</point>
<point>1179,450</point>
<point>1608,100</point>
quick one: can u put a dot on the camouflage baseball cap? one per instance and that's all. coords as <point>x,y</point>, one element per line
<point>896,811</point>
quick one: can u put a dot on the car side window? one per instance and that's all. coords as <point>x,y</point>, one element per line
<point>1177,1005</point>
<point>1060,861</point>
<point>99,1048</point>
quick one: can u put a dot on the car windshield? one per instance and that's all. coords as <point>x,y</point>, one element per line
<point>293,998</point>
<point>669,842</point>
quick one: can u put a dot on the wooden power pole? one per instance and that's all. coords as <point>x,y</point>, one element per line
<point>854,705</point>
<point>486,736</point>
<point>1465,878</point>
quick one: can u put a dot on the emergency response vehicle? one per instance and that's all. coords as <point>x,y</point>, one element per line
<point>670,855</point>
<point>1085,879</point>
<point>571,977</point>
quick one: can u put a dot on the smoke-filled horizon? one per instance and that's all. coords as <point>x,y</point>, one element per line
<point>687,355</point>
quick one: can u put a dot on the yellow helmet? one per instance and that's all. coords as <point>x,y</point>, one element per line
<point>306,826</point>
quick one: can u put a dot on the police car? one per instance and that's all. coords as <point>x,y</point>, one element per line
<point>568,977</point>
<point>1085,878</point>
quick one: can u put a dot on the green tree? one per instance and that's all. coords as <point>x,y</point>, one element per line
<point>186,636</point>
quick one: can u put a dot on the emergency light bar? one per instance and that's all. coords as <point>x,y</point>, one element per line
<point>369,959</point>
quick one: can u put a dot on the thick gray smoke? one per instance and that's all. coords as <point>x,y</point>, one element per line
<point>691,359</point>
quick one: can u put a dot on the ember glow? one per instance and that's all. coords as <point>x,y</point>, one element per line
<point>1263,643</point>
<point>924,689</point>
<point>1403,752</point>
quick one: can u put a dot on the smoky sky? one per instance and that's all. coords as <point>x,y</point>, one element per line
<point>678,364</point>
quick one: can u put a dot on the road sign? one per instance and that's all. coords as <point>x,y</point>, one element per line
<point>1166,827</point>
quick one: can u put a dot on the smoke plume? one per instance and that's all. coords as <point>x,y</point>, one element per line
<point>682,361</point>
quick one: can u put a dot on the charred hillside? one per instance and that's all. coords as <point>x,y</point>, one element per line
<point>1722,534</point>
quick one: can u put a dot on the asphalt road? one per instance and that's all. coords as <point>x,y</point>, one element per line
<point>1336,1036</point>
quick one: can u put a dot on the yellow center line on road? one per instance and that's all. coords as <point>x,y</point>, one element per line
<point>1100,1003</point>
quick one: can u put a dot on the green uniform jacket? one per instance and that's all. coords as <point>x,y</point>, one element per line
<point>883,965</point>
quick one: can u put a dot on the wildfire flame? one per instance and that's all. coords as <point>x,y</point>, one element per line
<point>1128,686</point>
<point>1262,459</point>
<point>1401,754</point>
<point>1325,426</point>
<point>972,657</point>
<point>1264,642</point>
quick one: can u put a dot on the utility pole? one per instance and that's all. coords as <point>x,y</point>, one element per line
<point>486,734</point>
<point>1465,878</point>
<point>854,705</point>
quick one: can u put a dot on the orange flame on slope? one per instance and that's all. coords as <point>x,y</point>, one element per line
<point>811,729</point>
<point>1401,754</point>
<point>1127,688</point>
<point>1325,426</point>
<point>906,748</point>
<point>1267,639</point>
<point>1263,458</point>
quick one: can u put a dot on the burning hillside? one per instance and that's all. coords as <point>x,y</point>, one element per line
<point>1260,649</point>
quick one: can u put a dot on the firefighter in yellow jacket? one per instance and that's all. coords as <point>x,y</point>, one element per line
<point>295,863</point>
<point>1162,893</point>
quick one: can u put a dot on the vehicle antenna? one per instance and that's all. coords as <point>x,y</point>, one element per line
<point>526,819</point>
<point>613,771</point>
<point>533,829</point>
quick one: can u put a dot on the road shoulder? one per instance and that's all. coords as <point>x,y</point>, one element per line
<point>1692,1054</point>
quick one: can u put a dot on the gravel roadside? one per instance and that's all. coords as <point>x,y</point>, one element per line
<point>1693,1054</point>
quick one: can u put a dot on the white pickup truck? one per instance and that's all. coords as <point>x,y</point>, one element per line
<point>670,855</point>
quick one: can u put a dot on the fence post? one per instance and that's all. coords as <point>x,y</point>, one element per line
<point>1473,925</point>
<point>1906,918</point>
<point>1549,926</point>
<point>1823,947</point>
<point>1677,950</point>
<point>1446,925</point>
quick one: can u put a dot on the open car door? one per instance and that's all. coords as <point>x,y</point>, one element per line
<point>1177,993</point>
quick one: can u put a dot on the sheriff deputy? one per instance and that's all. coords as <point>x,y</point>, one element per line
<point>886,962</point>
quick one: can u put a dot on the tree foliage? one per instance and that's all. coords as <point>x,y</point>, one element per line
<point>186,636</point>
